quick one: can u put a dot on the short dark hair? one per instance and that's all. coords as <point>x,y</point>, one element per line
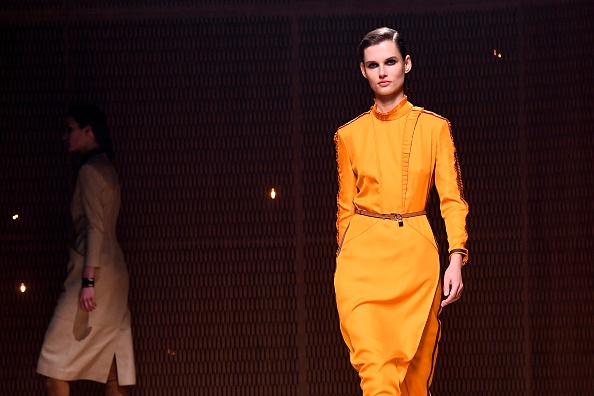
<point>380,35</point>
<point>90,115</point>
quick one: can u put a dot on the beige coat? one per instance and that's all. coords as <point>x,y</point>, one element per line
<point>81,345</point>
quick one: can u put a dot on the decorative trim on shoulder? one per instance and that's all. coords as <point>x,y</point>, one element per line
<point>355,119</point>
<point>435,115</point>
<point>336,137</point>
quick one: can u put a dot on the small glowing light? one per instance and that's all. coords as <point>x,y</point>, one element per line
<point>170,352</point>
<point>23,288</point>
<point>272,193</point>
<point>495,52</point>
<point>499,55</point>
<point>15,216</point>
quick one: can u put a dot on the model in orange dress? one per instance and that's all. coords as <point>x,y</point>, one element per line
<point>387,279</point>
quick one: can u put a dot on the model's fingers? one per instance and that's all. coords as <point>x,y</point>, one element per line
<point>453,295</point>
<point>447,301</point>
<point>446,288</point>
<point>87,304</point>
<point>456,291</point>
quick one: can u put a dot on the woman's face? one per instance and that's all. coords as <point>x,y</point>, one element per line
<point>384,69</point>
<point>78,139</point>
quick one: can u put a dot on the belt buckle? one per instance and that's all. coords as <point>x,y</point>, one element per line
<point>398,217</point>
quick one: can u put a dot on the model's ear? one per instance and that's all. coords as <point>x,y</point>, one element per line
<point>407,64</point>
<point>88,129</point>
<point>362,67</point>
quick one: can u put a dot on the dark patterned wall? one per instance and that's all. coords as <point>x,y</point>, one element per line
<point>560,167</point>
<point>213,106</point>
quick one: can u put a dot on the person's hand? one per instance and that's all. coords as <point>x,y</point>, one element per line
<point>452,280</point>
<point>87,298</point>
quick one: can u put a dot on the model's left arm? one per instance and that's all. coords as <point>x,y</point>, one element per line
<point>92,185</point>
<point>454,209</point>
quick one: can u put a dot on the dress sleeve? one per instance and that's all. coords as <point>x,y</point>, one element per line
<point>92,185</point>
<point>347,187</point>
<point>448,181</point>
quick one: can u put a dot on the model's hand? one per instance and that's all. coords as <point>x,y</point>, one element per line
<point>452,280</point>
<point>87,298</point>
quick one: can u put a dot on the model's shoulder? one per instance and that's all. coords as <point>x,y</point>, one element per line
<point>96,167</point>
<point>431,117</point>
<point>353,124</point>
<point>97,161</point>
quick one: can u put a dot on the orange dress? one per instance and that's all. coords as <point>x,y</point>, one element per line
<point>387,285</point>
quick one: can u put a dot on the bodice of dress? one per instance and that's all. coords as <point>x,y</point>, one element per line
<point>94,209</point>
<point>372,176</point>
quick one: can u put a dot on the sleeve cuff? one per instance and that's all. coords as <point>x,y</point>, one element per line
<point>463,252</point>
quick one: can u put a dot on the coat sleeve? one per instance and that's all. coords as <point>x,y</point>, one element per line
<point>347,187</point>
<point>448,182</point>
<point>92,186</point>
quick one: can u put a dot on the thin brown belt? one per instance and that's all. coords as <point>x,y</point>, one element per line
<point>391,216</point>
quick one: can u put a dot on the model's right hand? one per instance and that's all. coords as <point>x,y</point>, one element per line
<point>452,280</point>
<point>87,298</point>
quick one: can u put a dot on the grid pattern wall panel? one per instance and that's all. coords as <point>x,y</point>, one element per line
<point>460,76</point>
<point>34,194</point>
<point>214,104</point>
<point>559,43</point>
<point>206,225</point>
<point>200,143</point>
<point>213,7</point>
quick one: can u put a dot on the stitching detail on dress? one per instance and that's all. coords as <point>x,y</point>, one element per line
<point>336,137</point>
<point>459,182</point>
<point>407,140</point>
<point>342,240</point>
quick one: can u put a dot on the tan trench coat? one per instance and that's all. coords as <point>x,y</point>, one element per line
<point>80,345</point>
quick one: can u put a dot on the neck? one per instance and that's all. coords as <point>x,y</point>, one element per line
<point>89,153</point>
<point>385,104</point>
<point>90,148</point>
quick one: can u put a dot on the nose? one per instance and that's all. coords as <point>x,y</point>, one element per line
<point>382,71</point>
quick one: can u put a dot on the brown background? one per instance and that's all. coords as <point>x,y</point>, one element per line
<point>214,103</point>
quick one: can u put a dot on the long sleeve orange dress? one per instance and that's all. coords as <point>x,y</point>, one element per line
<point>387,278</point>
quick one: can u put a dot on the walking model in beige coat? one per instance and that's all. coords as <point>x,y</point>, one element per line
<point>89,336</point>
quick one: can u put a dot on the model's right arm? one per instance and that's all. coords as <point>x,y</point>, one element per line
<point>347,187</point>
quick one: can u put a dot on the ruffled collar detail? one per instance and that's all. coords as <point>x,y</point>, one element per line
<point>400,110</point>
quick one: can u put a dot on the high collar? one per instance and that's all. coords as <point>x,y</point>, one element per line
<point>401,109</point>
<point>91,153</point>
